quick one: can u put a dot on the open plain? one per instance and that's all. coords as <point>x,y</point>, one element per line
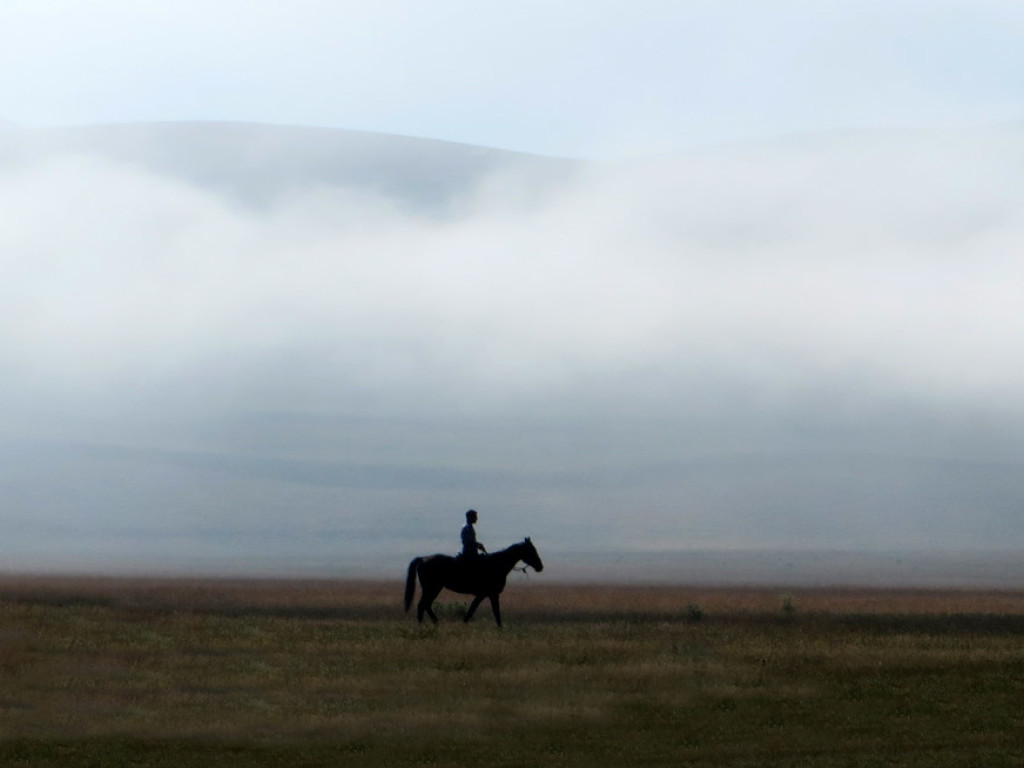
<point>174,672</point>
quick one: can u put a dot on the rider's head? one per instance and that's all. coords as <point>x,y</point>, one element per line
<point>471,516</point>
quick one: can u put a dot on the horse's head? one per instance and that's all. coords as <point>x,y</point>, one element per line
<point>528,554</point>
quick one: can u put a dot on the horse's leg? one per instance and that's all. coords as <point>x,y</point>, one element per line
<point>472,607</point>
<point>496,608</point>
<point>427,600</point>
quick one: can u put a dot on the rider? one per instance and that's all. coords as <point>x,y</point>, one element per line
<point>470,546</point>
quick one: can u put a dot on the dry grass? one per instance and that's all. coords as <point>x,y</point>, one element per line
<point>346,598</point>
<point>612,599</point>
<point>251,673</point>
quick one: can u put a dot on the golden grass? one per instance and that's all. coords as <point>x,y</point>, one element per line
<point>348,596</point>
<point>581,674</point>
<point>616,599</point>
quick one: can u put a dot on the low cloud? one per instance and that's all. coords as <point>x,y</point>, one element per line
<point>840,295</point>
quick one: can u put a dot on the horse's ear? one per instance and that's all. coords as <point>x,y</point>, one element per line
<point>528,540</point>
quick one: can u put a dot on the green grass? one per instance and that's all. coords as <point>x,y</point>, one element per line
<point>118,673</point>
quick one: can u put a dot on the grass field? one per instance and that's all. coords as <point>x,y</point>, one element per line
<point>177,673</point>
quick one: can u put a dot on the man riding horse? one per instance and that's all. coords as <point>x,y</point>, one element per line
<point>482,577</point>
<point>470,546</point>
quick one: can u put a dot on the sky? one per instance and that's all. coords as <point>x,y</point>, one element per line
<point>778,307</point>
<point>600,79</point>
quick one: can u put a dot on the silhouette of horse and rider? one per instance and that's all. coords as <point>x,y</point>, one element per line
<point>473,571</point>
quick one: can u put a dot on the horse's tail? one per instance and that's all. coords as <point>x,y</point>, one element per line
<point>410,581</point>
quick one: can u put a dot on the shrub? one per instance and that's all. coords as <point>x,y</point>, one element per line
<point>787,605</point>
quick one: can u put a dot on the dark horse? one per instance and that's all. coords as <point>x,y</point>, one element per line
<point>482,576</point>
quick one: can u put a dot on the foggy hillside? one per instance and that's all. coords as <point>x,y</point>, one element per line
<point>256,348</point>
<point>263,164</point>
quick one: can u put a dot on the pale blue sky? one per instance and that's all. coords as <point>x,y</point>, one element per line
<point>564,78</point>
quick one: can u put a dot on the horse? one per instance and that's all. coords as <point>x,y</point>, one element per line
<point>481,576</point>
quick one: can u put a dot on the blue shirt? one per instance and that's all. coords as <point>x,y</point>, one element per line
<point>469,545</point>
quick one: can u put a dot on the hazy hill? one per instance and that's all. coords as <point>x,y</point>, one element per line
<point>258,164</point>
<point>810,343</point>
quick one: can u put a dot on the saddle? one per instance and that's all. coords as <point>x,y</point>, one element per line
<point>470,563</point>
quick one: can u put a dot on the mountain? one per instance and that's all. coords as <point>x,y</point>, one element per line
<point>805,344</point>
<point>138,510</point>
<point>259,164</point>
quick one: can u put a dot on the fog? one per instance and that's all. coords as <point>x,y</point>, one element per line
<point>808,343</point>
